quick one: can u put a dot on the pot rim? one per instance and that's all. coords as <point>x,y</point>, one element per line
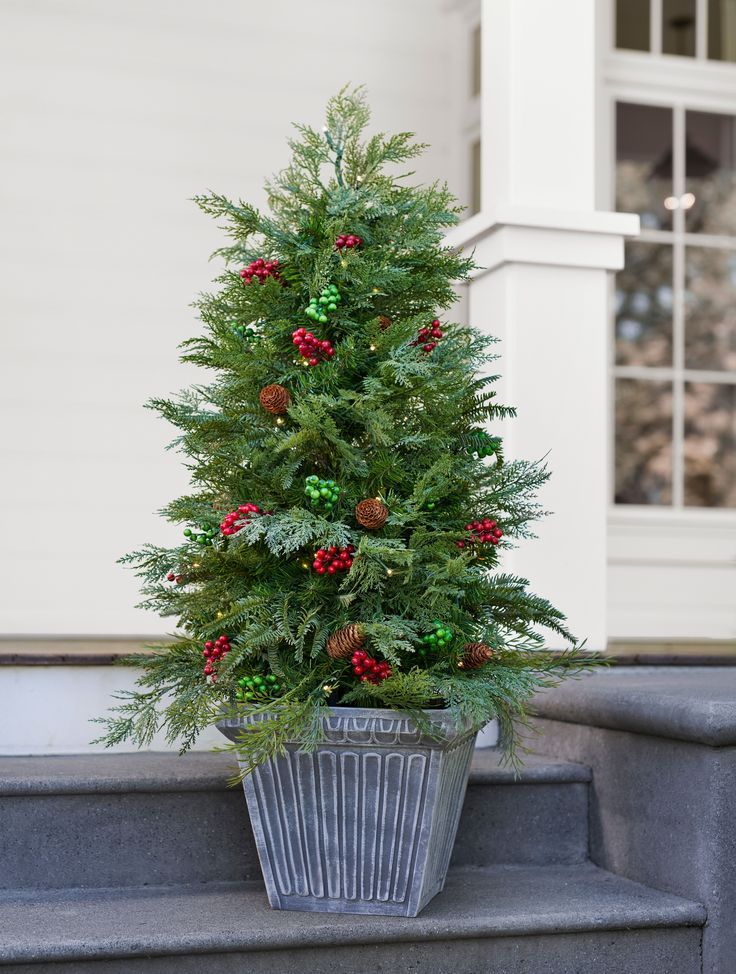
<point>337,711</point>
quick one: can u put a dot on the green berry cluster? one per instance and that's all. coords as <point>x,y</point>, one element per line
<point>486,445</point>
<point>439,637</point>
<point>247,332</point>
<point>429,504</point>
<point>257,687</point>
<point>323,493</point>
<point>328,300</point>
<point>204,535</point>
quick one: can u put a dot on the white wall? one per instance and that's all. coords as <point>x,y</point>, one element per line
<point>113,117</point>
<point>672,574</point>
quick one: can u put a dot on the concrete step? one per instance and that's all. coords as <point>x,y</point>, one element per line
<point>157,819</point>
<point>502,919</point>
<point>662,745</point>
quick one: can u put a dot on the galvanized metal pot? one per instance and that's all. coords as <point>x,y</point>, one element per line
<point>365,823</point>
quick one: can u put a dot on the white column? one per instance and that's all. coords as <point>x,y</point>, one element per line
<point>542,288</point>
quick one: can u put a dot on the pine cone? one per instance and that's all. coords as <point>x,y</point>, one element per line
<point>275,399</point>
<point>371,513</point>
<point>384,321</point>
<point>344,642</point>
<point>474,656</point>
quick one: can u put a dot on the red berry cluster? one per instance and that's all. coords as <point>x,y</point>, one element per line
<point>332,560</point>
<point>348,240</point>
<point>213,653</point>
<point>481,532</point>
<point>312,348</point>
<point>429,336</point>
<point>237,519</point>
<point>261,269</point>
<point>171,577</point>
<point>369,669</point>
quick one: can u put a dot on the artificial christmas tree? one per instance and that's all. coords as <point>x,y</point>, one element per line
<point>343,492</point>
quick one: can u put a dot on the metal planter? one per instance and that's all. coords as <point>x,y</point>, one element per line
<point>365,823</point>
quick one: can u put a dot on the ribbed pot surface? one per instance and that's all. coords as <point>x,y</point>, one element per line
<point>365,823</point>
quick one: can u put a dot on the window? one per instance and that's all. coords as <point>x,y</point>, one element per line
<point>675,309</point>
<point>684,28</point>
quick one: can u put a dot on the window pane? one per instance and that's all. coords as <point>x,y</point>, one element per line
<point>678,27</point>
<point>475,61</point>
<point>710,445</point>
<point>644,306</point>
<point>644,163</point>
<point>643,442</point>
<point>710,308</point>
<point>722,30</point>
<point>710,167</point>
<point>632,24</point>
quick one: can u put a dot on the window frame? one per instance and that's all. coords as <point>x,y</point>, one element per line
<point>681,84</point>
<point>656,24</point>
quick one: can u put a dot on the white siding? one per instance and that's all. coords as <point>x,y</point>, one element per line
<point>113,117</point>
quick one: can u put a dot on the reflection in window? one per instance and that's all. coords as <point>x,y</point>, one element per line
<point>678,27</point>
<point>643,442</point>
<point>722,30</point>
<point>710,172</point>
<point>710,445</point>
<point>710,308</point>
<point>644,306</point>
<point>475,61</point>
<point>644,163</point>
<point>632,25</point>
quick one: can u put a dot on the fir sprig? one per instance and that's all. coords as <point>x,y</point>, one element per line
<point>385,418</point>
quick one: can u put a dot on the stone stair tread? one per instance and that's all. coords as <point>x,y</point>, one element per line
<point>692,703</point>
<point>204,771</point>
<point>47,926</point>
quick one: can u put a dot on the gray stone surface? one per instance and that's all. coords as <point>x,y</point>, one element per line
<point>113,820</point>
<point>490,768</point>
<point>662,813</point>
<point>525,822</point>
<point>669,951</point>
<point>125,839</point>
<point>685,703</point>
<point>83,774</point>
<point>150,771</point>
<point>502,902</point>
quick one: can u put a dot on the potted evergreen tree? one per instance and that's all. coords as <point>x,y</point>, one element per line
<point>341,613</point>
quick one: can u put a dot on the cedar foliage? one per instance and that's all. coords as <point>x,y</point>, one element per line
<point>383,419</point>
